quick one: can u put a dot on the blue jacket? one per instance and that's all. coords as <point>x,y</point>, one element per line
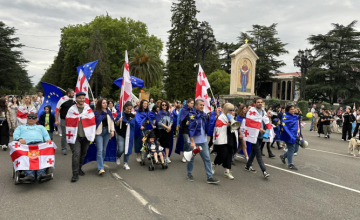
<point>196,119</point>
<point>211,124</point>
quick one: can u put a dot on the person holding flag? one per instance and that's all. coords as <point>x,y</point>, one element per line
<point>255,125</point>
<point>62,108</point>
<point>202,85</point>
<point>80,130</point>
<point>112,108</point>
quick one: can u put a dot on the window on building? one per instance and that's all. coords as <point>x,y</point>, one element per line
<point>289,93</point>
<point>283,85</point>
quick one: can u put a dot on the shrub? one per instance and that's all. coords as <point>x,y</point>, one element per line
<point>304,107</point>
<point>326,105</point>
<point>237,100</point>
<point>273,102</point>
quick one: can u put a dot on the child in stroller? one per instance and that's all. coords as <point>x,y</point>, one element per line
<point>153,151</point>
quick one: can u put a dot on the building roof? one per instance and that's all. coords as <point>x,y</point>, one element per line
<point>287,75</point>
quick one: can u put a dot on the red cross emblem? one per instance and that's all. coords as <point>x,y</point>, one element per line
<point>85,89</point>
<point>252,113</point>
<point>63,98</point>
<point>17,163</point>
<point>199,73</point>
<point>69,135</point>
<point>16,145</point>
<point>204,76</point>
<point>75,113</point>
<point>246,133</point>
<point>50,161</point>
<point>206,96</point>
<point>216,135</point>
<point>127,66</point>
<point>89,110</point>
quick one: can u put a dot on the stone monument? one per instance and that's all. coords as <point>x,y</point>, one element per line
<point>242,81</point>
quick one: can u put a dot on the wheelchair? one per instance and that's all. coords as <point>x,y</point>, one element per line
<point>18,175</point>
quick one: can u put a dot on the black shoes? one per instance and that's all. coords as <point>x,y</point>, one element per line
<point>81,172</point>
<point>282,159</point>
<point>74,178</point>
<point>28,179</point>
<point>266,175</point>
<point>44,178</point>
<point>262,154</point>
<point>190,177</point>
<point>213,181</point>
<point>250,169</point>
<point>292,167</point>
<point>271,155</point>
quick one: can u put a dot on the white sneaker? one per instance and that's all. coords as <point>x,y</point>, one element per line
<point>213,168</point>
<point>101,172</point>
<point>168,160</point>
<point>228,175</point>
<point>295,154</point>
<point>60,135</point>
<point>183,160</point>
<point>118,161</point>
<point>285,149</point>
<point>138,159</point>
<point>126,166</point>
<point>4,147</point>
<point>239,157</point>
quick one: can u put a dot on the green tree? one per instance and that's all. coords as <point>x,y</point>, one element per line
<point>181,80</point>
<point>225,49</point>
<point>15,78</point>
<point>146,65</point>
<point>268,48</point>
<point>219,82</point>
<point>335,72</point>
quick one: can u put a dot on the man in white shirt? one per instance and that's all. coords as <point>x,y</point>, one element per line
<point>312,118</point>
<point>40,99</point>
<point>268,96</point>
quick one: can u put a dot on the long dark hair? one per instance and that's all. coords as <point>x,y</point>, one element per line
<point>17,101</point>
<point>154,108</point>
<point>3,105</point>
<point>240,111</point>
<point>98,106</point>
<point>167,105</point>
<point>141,108</point>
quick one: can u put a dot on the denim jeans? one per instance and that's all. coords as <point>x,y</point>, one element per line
<point>121,148</point>
<point>312,124</point>
<point>186,144</point>
<point>292,148</point>
<point>32,172</point>
<point>102,141</point>
<point>63,133</point>
<point>205,156</point>
<point>51,134</point>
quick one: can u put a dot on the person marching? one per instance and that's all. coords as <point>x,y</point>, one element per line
<point>6,123</point>
<point>80,130</point>
<point>225,141</point>
<point>112,109</point>
<point>47,120</point>
<point>62,108</point>
<point>104,131</point>
<point>164,125</point>
<point>212,120</point>
<point>14,106</point>
<point>255,124</point>
<point>276,126</point>
<point>290,133</point>
<point>26,108</point>
<point>244,145</point>
<point>125,134</point>
<point>347,126</point>
<point>198,137</point>
<point>267,141</point>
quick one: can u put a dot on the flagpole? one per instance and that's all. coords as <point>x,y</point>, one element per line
<point>91,92</point>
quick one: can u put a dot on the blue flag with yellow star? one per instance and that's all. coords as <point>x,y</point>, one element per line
<point>87,69</point>
<point>136,82</point>
<point>289,127</point>
<point>52,95</point>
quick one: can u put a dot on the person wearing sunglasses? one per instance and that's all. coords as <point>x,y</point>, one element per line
<point>31,134</point>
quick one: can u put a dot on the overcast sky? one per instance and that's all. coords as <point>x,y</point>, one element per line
<point>38,22</point>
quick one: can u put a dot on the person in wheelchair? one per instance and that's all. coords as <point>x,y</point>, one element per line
<point>155,149</point>
<point>32,134</point>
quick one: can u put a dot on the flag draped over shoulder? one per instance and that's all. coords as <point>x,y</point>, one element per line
<point>252,125</point>
<point>140,117</point>
<point>61,101</point>
<point>72,121</point>
<point>289,127</point>
<point>52,96</point>
<point>212,121</point>
<point>202,84</point>
<point>32,157</point>
<point>220,135</point>
<point>22,113</point>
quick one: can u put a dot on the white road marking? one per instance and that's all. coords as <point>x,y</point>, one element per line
<point>316,179</point>
<point>344,155</point>
<point>107,166</point>
<point>141,199</point>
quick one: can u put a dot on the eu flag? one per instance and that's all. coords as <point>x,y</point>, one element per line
<point>52,95</point>
<point>136,82</point>
<point>289,127</point>
<point>87,69</point>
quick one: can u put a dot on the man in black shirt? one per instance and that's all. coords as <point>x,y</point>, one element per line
<point>326,119</point>
<point>63,107</point>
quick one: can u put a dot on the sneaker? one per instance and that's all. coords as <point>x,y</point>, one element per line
<point>328,136</point>
<point>282,159</point>
<point>81,172</point>
<point>118,161</point>
<point>74,178</point>
<point>60,135</point>
<point>285,149</point>
<point>325,137</point>
<point>183,160</point>
<point>348,140</point>
<point>190,177</point>
<point>228,175</point>
<point>318,135</point>
<point>295,154</point>
<point>101,172</point>
<point>266,175</point>
<point>213,168</point>
<point>126,166</point>
<point>168,160</point>
<point>138,159</point>
<point>292,167</point>
<point>239,157</point>
<point>212,181</point>
<point>63,152</point>
<point>4,147</point>
<point>250,169</point>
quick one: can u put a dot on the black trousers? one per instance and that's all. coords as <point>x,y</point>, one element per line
<point>267,146</point>
<point>211,142</point>
<point>356,129</point>
<point>347,127</point>
<point>224,155</point>
<point>256,152</point>
<point>4,134</point>
<point>79,150</point>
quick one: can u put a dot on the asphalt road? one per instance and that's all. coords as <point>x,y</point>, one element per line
<point>325,187</point>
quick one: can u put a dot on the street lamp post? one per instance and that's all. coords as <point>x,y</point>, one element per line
<point>303,60</point>
<point>202,40</point>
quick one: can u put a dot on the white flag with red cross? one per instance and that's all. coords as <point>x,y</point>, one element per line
<point>82,85</point>
<point>62,101</point>
<point>22,113</point>
<point>202,84</point>
<point>32,157</point>
<point>126,88</point>
<point>220,135</point>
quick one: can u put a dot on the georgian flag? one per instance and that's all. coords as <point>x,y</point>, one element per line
<point>220,135</point>
<point>61,101</point>
<point>126,88</point>
<point>202,84</point>
<point>22,113</point>
<point>113,112</point>
<point>32,157</point>
<point>82,85</point>
<point>72,122</point>
<point>251,126</point>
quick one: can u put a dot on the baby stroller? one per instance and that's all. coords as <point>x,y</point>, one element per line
<point>146,153</point>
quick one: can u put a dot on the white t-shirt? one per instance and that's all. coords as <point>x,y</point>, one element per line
<point>40,100</point>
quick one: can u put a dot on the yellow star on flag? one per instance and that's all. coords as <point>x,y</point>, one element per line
<point>284,118</point>
<point>48,96</point>
<point>91,71</point>
<point>148,121</point>
<point>89,68</point>
<point>192,117</point>
<point>87,65</point>
<point>284,114</point>
<point>52,110</point>
<point>283,123</point>
<point>187,122</point>
<point>47,101</point>
<point>57,95</point>
<point>84,66</point>
<point>282,129</point>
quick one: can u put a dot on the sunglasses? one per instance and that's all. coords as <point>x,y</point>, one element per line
<point>164,105</point>
<point>231,110</point>
<point>33,118</point>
